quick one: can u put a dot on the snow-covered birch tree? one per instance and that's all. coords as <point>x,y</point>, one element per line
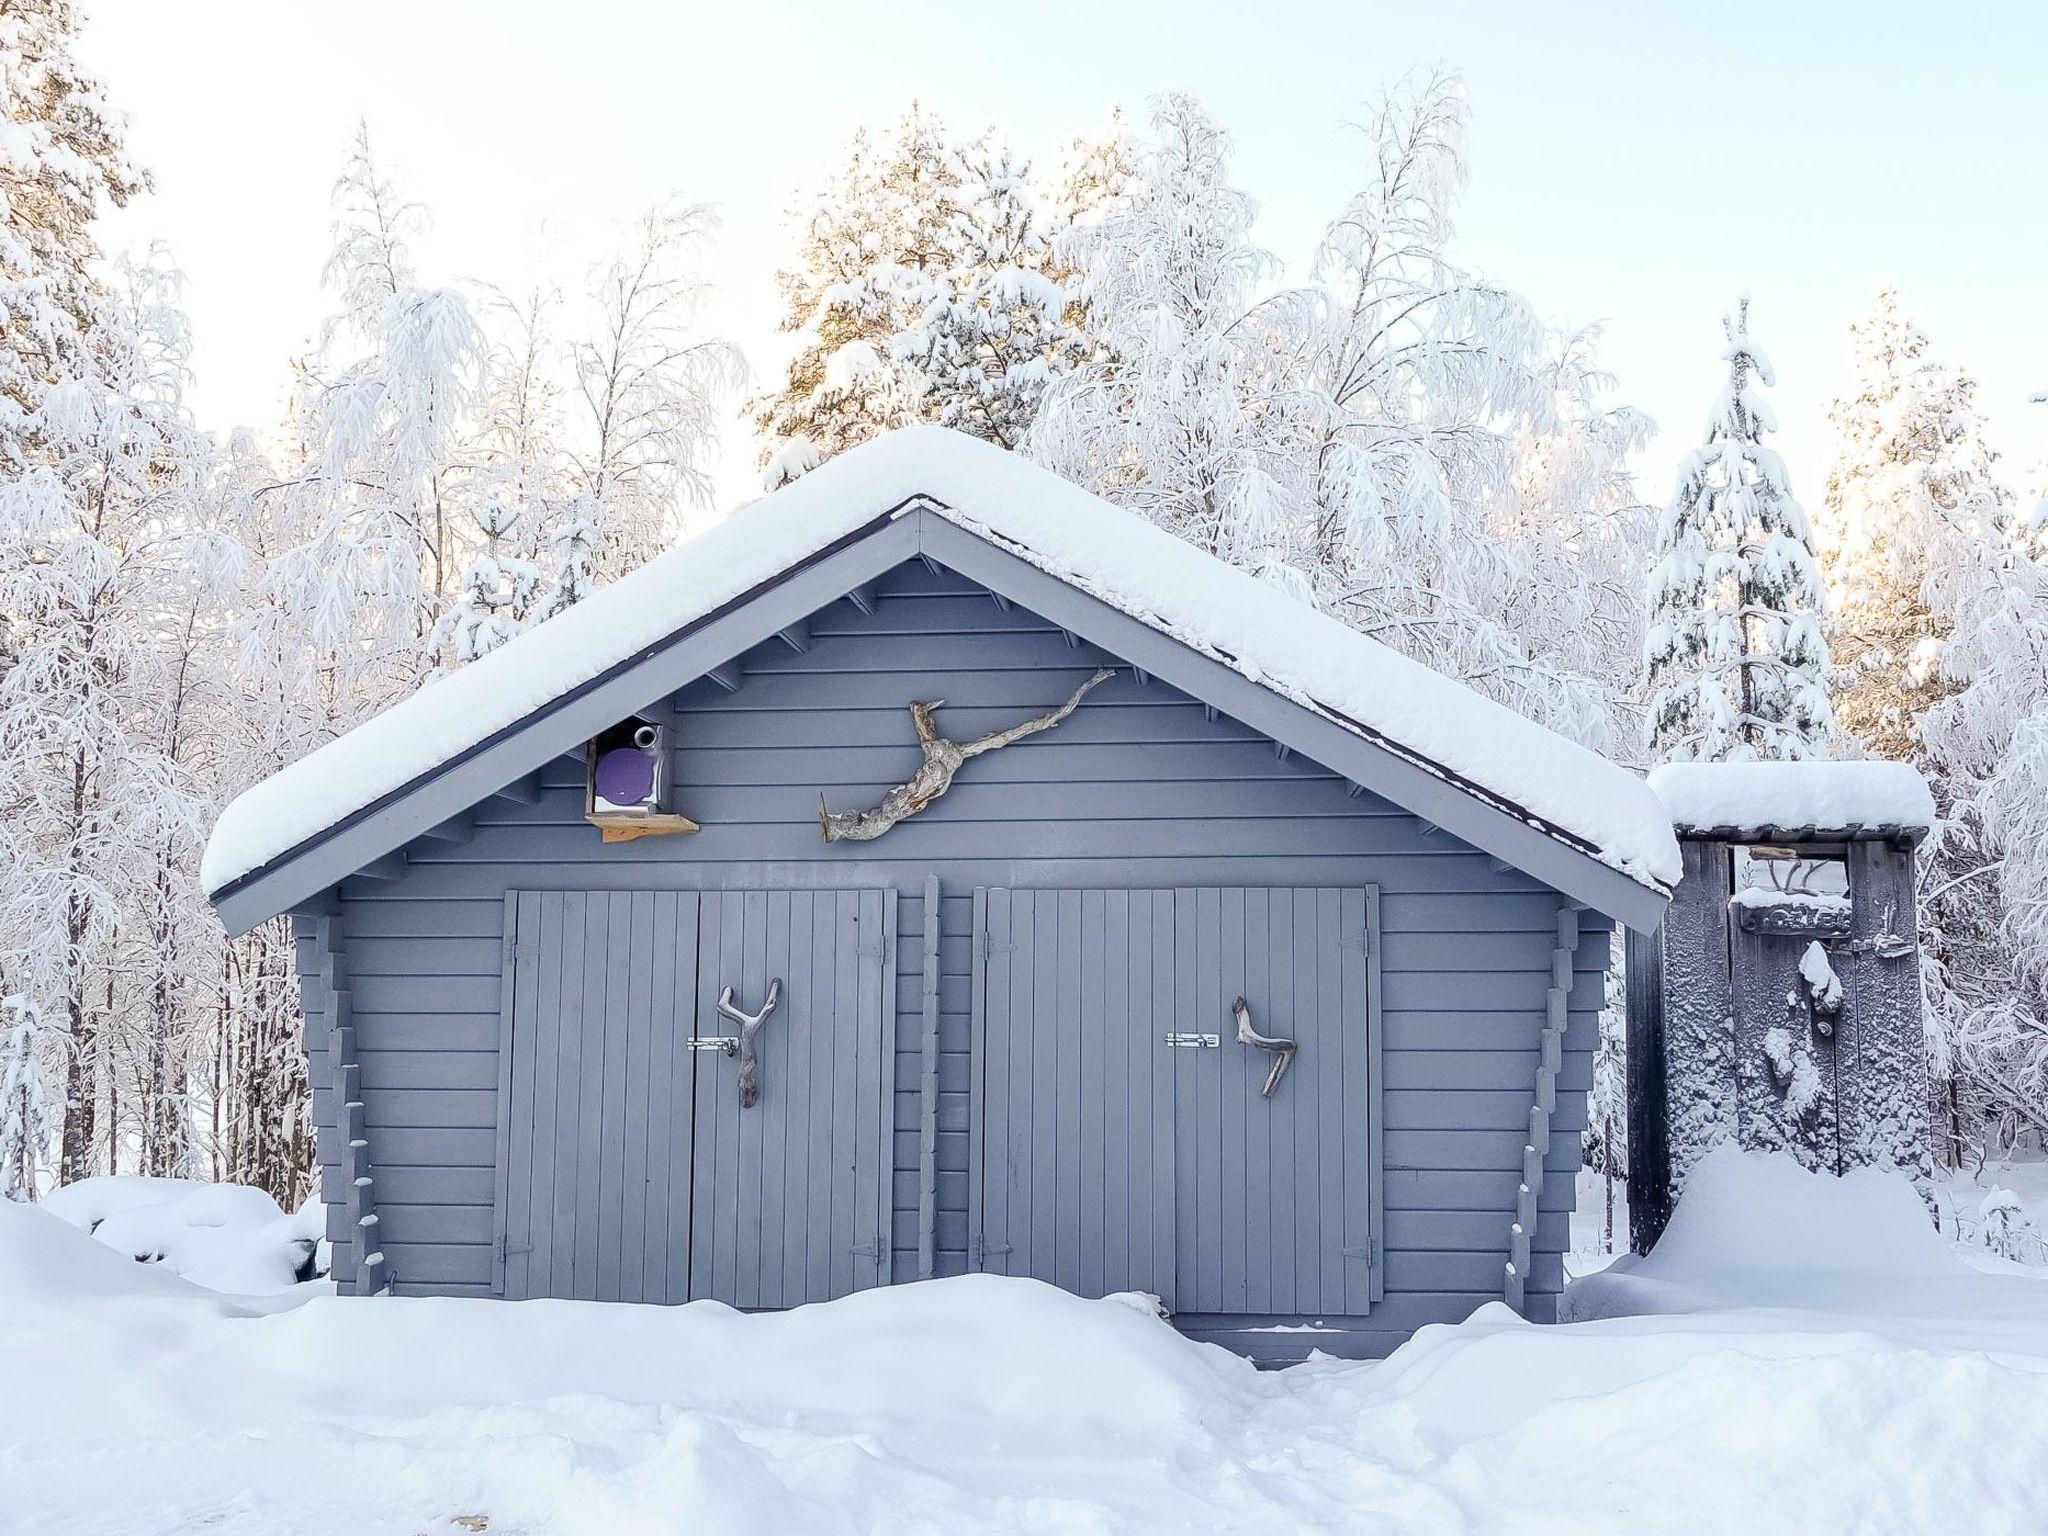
<point>649,387</point>
<point>1737,666</point>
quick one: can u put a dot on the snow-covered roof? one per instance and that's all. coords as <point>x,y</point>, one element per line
<point>1147,573</point>
<point>1837,799</point>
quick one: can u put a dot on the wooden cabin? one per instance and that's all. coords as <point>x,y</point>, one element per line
<point>1260,973</point>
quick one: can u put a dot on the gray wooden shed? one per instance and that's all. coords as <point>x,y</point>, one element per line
<point>1003,1035</point>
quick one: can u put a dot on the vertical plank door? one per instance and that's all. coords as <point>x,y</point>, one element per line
<point>1074,1118</point>
<point>598,1139</point>
<point>1122,1135</point>
<point>791,1195</point>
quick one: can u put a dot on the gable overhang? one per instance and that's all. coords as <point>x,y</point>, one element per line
<point>300,878</point>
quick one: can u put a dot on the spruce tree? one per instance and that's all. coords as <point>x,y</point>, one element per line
<point>1737,666</point>
<point>874,248</point>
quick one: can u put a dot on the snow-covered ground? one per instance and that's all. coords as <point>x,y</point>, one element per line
<point>1836,1367</point>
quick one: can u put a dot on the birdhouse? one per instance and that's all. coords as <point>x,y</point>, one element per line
<point>627,792</point>
<point>1779,1005</point>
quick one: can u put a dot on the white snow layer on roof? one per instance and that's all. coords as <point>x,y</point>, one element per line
<point>1836,797</point>
<point>1144,571</point>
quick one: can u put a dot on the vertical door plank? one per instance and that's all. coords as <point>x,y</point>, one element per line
<point>824,1076</point>
<point>1045,1085</point>
<point>610,1031</point>
<point>748,1191</point>
<point>846,1090</point>
<point>1069,1066</point>
<point>651,1284</point>
<point>1105,1107</point>
<point>569,1091</point>
<point>682,1095</point>
<point>1305,1170</point>
<point>1354,1030</point>
<point>878,1030</point>
<point>1285,1105</point>
<point>1024,1128</point>
<point>991,1181</point>
<point>1259,1111</point>
<point>780,1114</point>
<point>986,1121</point>
<point>1161,1001</point>
<point>549,1142</point>
<point>1327,1075</point>
<point>632,1108</point>
<point>1237,1088</point>
<point>523,1111</point>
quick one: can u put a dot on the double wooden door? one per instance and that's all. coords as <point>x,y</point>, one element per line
<point>1123,1138</point>
<point>629,1168</point>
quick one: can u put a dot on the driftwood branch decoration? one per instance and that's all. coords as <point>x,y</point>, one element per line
<point>942,759</point>
<point>750,1026</point>
<point>1283,1050</point>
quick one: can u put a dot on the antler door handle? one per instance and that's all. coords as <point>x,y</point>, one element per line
<point>1283,1050</point>
<point>750,1026</point>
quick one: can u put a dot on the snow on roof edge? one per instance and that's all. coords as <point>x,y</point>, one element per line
<point>1821,797</point>
<point>1145,572</point>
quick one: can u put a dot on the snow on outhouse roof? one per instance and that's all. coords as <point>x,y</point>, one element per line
<point>1115,556</point>
<point>1823,799</point>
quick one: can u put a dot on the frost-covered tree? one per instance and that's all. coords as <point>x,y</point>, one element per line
<point>926,287</point>
<point>383,409</point>
<point>1910,491</point>
<point>1737,666</point>
<point>995,330</point>
<point>1398,441</point>
<point>1170,417</point>
<point>25,1110</point>
<point>650,387</point>
<point>873,246</point>
<point>90,548</point>
<point>63,157</point>
<point>1940,618</point>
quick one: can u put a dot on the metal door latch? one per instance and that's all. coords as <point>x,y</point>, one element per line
<point>1283,1050</point>
<point>1184,1040</point>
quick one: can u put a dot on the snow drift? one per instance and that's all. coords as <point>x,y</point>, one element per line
<point>225,1237</point>
<point>139,1402</point>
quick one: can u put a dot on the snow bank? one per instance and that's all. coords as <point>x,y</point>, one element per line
<point>225,1237</point>
<point>136,1402</point>
<point>1829,797</point>
<point>1756,1230</point>
<point>1141,570</point>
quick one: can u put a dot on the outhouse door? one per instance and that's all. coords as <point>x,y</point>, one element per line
<point>1124,1137</point>
<point>629,1167</point>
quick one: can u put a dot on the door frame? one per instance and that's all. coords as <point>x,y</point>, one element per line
<point>1375,1151</point>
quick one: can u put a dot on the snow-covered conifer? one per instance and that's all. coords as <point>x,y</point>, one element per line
<point>994,332</point>
<point>1736,663</point>
<point>875,244</point>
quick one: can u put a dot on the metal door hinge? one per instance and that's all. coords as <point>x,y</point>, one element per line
<point>1362,1251</point>
<point>1187,1040</point>
<point>983,1249</point>
<point>989,946</point>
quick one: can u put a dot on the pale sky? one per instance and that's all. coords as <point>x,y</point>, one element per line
<point>1635,165</point>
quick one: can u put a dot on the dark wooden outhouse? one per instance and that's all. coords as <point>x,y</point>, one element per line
<point>1779,1005</point>
<point>1020,889</point>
